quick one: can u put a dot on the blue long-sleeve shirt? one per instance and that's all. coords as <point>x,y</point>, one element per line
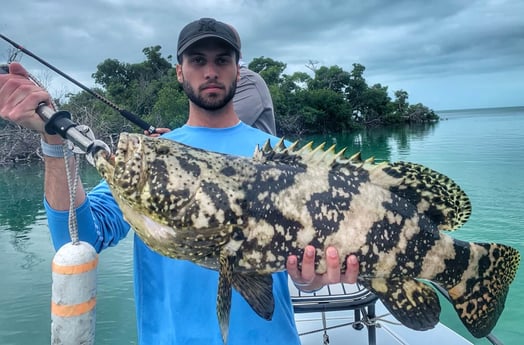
<point>176,299</point>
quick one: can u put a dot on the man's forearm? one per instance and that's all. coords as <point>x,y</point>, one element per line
<point>56,186</point>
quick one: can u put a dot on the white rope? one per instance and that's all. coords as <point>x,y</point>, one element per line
<point>72,178</point>
<point>72,182</point>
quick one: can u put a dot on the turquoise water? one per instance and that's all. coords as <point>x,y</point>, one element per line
<point>482,150</point>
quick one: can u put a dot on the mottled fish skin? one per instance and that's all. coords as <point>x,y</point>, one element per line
<point>244,217</point>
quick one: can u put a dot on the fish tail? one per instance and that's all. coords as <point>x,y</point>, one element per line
<point>480,295</point>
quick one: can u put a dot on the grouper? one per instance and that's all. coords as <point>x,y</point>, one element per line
<point>244,216</point>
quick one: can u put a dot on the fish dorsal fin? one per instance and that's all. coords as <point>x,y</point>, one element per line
<point>411,302</point>
<point>305,155</point>
<point>434,194</point>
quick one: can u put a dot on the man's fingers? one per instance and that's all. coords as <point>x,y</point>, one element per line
<point>16,68</point>
<point>333,266</point>
<point>292,267</point>
<point>307,278</point>
<point>19,98</point>
<point>352,270</point>
<point>308,264</point>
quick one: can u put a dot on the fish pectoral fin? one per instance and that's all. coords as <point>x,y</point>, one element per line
<point>225,279</point>
<point>204,237</point>
<point>257,290</point>
<point>411,302</point>
<point>197,244</point>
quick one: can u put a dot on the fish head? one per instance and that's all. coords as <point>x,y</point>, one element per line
<point>153,176</point>
<point>131,179</point>
<point>154,182</point>
<point>137,174</point>
<point>124,171</point>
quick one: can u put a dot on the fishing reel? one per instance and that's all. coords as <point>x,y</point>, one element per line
<point>60,122</point>
<point>81,137</point>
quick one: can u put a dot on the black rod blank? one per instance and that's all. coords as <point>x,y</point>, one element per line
<point>125,113</point>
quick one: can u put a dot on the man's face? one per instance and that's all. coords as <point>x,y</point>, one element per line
<point>209,73</point>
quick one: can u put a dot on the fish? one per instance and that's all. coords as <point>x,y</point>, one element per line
<point>243,216</point>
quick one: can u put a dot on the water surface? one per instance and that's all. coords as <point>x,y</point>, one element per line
<point>482,150</point>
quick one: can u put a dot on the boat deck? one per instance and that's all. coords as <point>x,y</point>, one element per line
<point>348,314</point>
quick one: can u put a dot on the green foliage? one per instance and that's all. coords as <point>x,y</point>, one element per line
<point>140,88</point>
<point>330,100</point>
<point>333,78</point>
<point>171,106</point>
<point>268,69</point>
<point>325,111</point>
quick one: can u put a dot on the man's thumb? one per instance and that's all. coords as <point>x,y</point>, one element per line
<point>17,68</point>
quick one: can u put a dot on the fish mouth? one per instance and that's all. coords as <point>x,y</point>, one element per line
<point>127,161</point>
<point>127,145</point>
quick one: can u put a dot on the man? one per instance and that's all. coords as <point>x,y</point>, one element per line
<point>252,100</point>
<point>175,300</point>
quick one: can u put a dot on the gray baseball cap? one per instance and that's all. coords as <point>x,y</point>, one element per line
<point>204,28</point>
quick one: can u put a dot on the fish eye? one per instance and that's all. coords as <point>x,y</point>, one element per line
<point>162,149</point>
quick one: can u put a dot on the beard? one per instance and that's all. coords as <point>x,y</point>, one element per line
<point>211,102</point>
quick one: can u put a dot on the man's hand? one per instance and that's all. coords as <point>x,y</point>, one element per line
<point>19,98</point>
<point>307,280</point>
<point>158,132</point>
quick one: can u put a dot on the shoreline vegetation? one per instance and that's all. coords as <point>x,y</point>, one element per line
<point>480,110</point>
<point>327,100</point>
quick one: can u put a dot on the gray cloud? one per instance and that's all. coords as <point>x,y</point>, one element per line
<point>437,51</point>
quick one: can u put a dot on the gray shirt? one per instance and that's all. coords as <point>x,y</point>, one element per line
<point>253,102</point>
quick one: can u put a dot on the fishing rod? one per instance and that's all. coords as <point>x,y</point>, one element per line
<point>125,113</point>
<point>60,123</point>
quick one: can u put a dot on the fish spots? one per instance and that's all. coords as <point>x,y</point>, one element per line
<point>217,197</point>
<point>485,262</point>
<point>260,192</point>
<point>415,244</point>
<point>454,262</point>
<point>386,234</point>
<point>262,232</point>
<point>435,195</point>
<point>228,171</point>
<point>236,240</point>
<point>189,166</point>
<point>127,172</point>
<point>329,208</point>
<point>163,200</point>
<point>202,206</point>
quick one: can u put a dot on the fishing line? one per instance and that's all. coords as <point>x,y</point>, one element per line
<point>125,113</point>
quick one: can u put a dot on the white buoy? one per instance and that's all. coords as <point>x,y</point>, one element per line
<point>73,301</point>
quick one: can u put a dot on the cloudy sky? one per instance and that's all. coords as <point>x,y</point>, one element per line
<point>447,54</point>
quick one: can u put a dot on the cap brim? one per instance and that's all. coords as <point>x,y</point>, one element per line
<point>192,41</point>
